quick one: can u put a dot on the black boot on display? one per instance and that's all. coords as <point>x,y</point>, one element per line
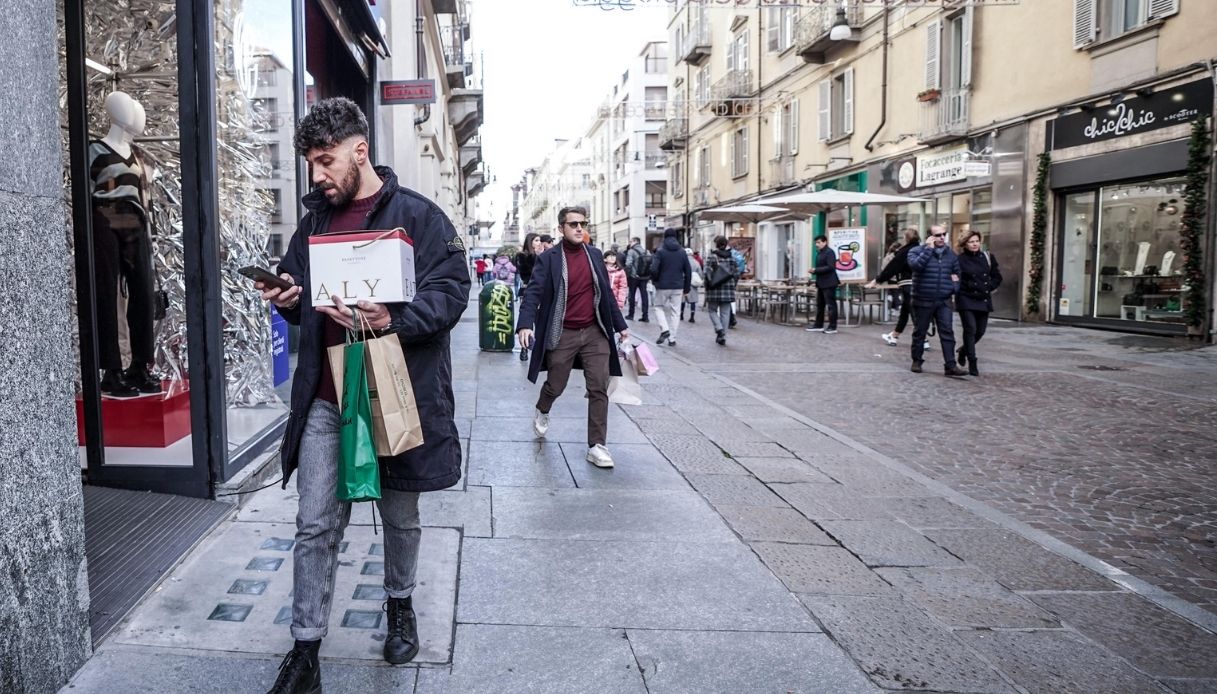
<point>299,673</point>
<point>137,376</point>
<point>401,643</point>
<point>112,384</point>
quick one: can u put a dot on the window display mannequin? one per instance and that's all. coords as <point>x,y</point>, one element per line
<point>122,249</point>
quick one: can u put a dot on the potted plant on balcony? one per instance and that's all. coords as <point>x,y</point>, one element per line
<point>929,95</point>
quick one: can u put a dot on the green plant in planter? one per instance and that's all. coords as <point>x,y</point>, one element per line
<point>1191,231</point>
<point>1039,225</point>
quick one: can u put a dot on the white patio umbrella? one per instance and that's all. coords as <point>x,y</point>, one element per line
<point>745,212</point>
<point>828,200</point>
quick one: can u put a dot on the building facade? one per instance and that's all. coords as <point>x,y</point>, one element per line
<point>922,101</point>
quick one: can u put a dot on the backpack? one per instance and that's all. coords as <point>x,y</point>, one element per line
<point>502,272</point>
<point>642,264</point>
<point>740,263</point>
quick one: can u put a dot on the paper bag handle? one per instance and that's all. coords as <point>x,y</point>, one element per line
<point>387,233</point>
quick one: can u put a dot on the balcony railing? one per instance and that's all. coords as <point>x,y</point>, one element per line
<point>654,159</point>
<point>674,134</point>
<point>782,170</point>
<point>697,44</point>
<point>811,38</point>
<point>736,84</point>
<point>455,65</point>
<point>945,118</point>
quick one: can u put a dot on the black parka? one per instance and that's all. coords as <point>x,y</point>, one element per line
<point>441,294</point>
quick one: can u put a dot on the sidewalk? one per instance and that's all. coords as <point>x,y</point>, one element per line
<point>781,519</point>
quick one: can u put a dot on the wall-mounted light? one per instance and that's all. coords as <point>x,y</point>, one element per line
<point>840,28</point>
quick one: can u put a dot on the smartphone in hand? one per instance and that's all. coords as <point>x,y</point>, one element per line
<point>266,277</point>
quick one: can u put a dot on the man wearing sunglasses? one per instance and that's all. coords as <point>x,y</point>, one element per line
<point>935,280</point>
<point>568,316</point>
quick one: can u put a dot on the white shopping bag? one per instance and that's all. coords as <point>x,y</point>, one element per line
<point>625,389</point>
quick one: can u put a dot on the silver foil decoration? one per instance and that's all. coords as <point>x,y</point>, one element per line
<point>136,41</point>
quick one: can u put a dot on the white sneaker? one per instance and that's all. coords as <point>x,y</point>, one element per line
<point>926,345</point>
<point>599,456</point>
<point>830,331</point>
<point>540,424</point>
<point>893,341</point>
<point>814,330</point>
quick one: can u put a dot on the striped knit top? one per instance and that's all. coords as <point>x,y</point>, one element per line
<point>117,180</point>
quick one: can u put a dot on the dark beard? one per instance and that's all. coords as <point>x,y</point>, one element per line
<point>348,187</point>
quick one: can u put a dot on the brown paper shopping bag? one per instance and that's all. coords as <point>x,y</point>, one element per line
<point>395,420</point>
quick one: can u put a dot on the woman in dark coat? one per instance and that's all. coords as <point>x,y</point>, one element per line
<point>526,259</point>
<point>898,270</point>
<point>979,277</point>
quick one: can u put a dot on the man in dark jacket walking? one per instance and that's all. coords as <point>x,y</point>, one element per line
<point>827,281</point>
<point>935,280</point>
<point>351,194</point>
<point>637,275</point>
<point>673,277</point>
<point>570,301</point>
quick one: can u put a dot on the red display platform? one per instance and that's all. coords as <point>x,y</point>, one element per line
<point>151,421</point>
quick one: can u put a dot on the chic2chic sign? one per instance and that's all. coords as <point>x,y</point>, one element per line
<point>1150,110</point>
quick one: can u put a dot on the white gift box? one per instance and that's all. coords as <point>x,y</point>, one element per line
<point>376,266</point>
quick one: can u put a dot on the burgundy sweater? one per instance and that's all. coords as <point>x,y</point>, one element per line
<point>580,293</point>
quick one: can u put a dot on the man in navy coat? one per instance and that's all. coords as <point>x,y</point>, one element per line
<point>570,302</point>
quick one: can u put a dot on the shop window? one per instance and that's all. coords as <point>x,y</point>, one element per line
<point>1077,257</point>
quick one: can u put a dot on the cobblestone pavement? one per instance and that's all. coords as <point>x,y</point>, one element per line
<point>1106,441</point>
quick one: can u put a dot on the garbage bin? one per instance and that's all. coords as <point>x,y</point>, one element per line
<point>496,317</point>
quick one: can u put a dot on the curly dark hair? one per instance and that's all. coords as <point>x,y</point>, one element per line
<point>329,122</point>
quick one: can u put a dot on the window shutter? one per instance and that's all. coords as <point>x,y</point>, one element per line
<point>1159,9</point>
<point>933,53</point>
<point>965,53</point>
<point>847,118</point>
<point>825,110</point>
<point>779,124</point>
<point>744,168</point>
<point>726,148</point>
<point>773,31</point>
<point>794,127</point>
<point>1084,22</point>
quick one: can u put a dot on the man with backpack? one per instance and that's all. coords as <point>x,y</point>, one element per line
<point>638,274</point>
<point>741,266</point>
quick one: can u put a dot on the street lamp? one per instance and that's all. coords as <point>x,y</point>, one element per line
<point>840,28</point>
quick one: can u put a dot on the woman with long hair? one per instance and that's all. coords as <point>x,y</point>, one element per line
<point>526,259</point>
<point>898,269</point>
<point>979,276</point>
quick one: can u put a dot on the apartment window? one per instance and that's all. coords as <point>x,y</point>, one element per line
<point>656,98</point>
<point>948,52</point>
<point>786,130</point>
<point>737,52</point>
<point>656,198</point>
<point>701,86</point>
<point>837,106</point>
<point>275,246</point>
<point>703,166</point>
<point>276,196</point>
<point>739,152</point>
<point>781,22</point>
<point>1108,19</point>
<point>676,179</point>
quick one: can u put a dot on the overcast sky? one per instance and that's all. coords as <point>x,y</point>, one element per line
<point>546,66</point>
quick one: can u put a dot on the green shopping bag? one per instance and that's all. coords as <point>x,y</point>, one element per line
<point>358,468</point>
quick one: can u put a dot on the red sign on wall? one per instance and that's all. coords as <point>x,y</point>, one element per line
<point>398,92</point>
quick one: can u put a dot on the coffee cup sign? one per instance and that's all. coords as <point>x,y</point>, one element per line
<point>375,266</point>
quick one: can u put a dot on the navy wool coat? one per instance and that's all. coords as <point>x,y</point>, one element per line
<point>537,307</point>
<point>423,325</point>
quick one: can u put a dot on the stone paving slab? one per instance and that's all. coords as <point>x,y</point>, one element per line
<point>635,466</point>
<point>607,514</point>
<point>933,512</point>
<point>751,449</point>
<point>494,659</point>
<point>197,608</point>
<point>887,543</point>
<point>696,661</point>
<point>831,502</point>
<point>1192,686</point>
<point>785,469</point>
<point>518,464</point>
<point>1057,661</point>
<point>773,524</point>
<point>561,429</point>
<point>899,647</point>
<point>653,585</point>
<point>964,597</point>
<point>468,510</point>
<point>1156,641</point>
<point>1017,563</point>
<point>132,670</point>
<point>734,489</point>
<point>820,570</point>
<point>695,453</point>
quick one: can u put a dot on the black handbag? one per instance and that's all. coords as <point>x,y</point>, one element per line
<point>719,274</point>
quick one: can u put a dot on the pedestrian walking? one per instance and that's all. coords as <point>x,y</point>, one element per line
<point>935,280</point>
<point>351,195</point>
<point>673,277</point>
<point>617,278</point>
<point>504,270</point>
<point>547,242</point>
<point>525,260</point>
<point>979,276</point>
<point>480,267</point>
<point>637,263</point>
<point>741,263</point>
<point>570,301</point>
<point>827,281</point>
<point>721,276</point>
<point>696,280</point>
<point>897,270</point>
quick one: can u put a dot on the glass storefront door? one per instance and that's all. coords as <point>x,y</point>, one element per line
<point>1120,253</point>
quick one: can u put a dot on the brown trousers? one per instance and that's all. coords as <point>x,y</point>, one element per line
<point>590,345</point>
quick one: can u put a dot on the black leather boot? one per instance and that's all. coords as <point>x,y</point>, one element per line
<point>114,385</point>
<point>401,643</point>
<point>972,370</point>
<point>138,377</point>
<point>300,672</point>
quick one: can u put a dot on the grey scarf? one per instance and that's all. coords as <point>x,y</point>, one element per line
<point>559,315</point>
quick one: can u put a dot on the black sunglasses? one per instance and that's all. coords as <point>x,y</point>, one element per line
<point>937,235</point>
<point>577,225</point>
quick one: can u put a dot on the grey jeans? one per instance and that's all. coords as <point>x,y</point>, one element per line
<point>720,314</point>
<point>321,520</point>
